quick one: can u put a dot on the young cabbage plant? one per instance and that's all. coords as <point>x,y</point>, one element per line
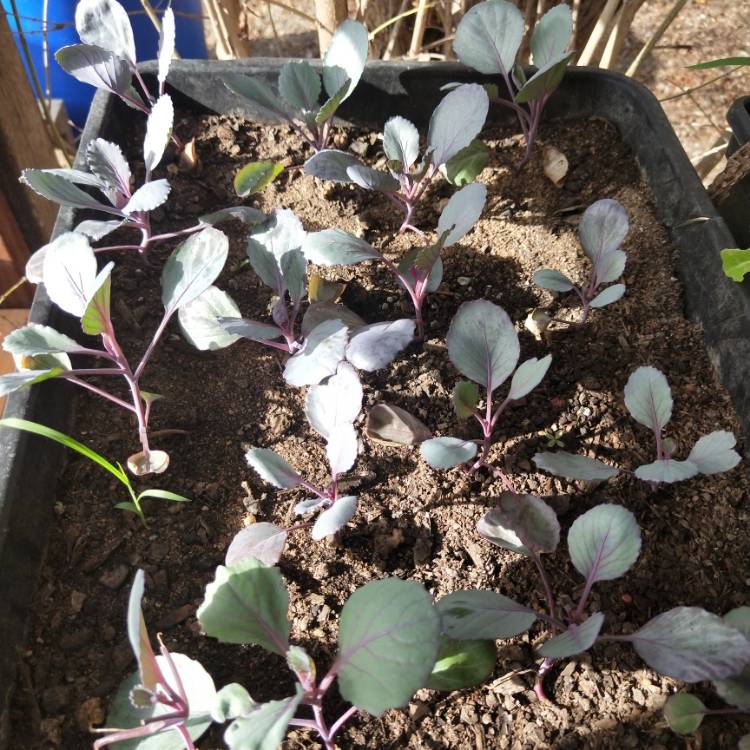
<point>603,228</point>
<point>685,643</point>
<point>451,148</point>
<point>74,284</point>
<point>106,57</point>
<point>297,101</point>
<point>420,271</point>
<point>685,712</point>
<point>488,38</point>
<point>329,333</point>
<point>648,398</point>
<point>483,346</point>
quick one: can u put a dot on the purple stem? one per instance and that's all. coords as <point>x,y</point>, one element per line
<point>351,711</point>
<point>99,392</point>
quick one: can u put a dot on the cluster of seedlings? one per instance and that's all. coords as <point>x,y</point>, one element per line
<point>393,638</point>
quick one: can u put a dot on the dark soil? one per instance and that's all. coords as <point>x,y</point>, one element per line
<point>413,522</point>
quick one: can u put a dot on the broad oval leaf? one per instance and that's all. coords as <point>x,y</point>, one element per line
<point>299,85</point>
<point>389,636</point>
<point>610,267</point>
<point>166,44</point>
<point>335,247</point>
<point>549,278</point>
<point>321,311</point>
<point>375,346</point>
<point>35,339</point>
<point>148,197</point>
<point>328,110</point>
<point>332,165</point>
<point>608,296</point>
<point>395,426</point>
<point>335,403</point>
<point>739,618</point>
<point>604,542</point>
<point>714,453</point>
<point>474,615</point>
<point>95,66</point>
<point>53,186</point>
<point>158,131</point>
<point>231,701</point>
<point>552,35</point>
<point>345,58</point>
<point>666,470</point>
<point>14,381</point>
<point>575,640</point>
<point>483,344</point>
<point>264,726</point>
<point>263,541</point>
<point>319,356</point>
<point>193,267</point>
<point>94,230</point>
<point>447,452</point>
<point>457,121</point>
<point>245,214</point>
<point>70,272</point>
<point>372,179</point>
<point>735,690</point>
<point>247,603</point>
<point>528,376</point>
<point>461,212</point>
<point>199,320</point>
<point>309,505</point>
<point>334,518</point>
<point>545,80</point>
<point>462,664</point>
<point>603,228</point>
<point>684,713</point>
<point>341,449</point>
<point>105,23</point>
<point>401,141</point>
<point>564,464</point>
<point>489,35</point>
<point>259,94</point>
<point>250,329</point>
<point>522,523</point>
<point>691,645</point>
<point>253,177</point>
<point>648,398</point>
<point>272,468</point>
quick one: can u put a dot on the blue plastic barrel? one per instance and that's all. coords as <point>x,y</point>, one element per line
<point>61,31</point>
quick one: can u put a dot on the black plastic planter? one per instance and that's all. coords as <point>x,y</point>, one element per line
<point>29,466</point>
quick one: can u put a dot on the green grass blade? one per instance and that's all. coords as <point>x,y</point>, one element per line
<point>721,63</point>
<point>164,495</point>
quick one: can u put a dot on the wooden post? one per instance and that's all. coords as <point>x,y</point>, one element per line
<point>329,14</point>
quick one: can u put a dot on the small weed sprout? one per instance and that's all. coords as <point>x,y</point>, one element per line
<point>72,281</point>
<point>648,398</point>
<point>451,149</point>
<point>686,643</point>
<point>488,38</point>
<point>603,228</point>
<point>297,101</point>
<point>483,346</point>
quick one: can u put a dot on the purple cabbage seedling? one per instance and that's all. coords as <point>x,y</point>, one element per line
<point>488,38</point>
<point>603,228</point>
<point>648,398</point>
<point>483,346</point>
<point>686,643</point>
<point>420,271</point>
<point>297,101</point>
<point>454,125</point>
<point>73,282</point>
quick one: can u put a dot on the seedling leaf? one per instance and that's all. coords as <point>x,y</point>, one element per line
<point>264,726</point>
<point>231,701</point>
<point>447,452</point>
<point>684,713</point>
<point>105,23</point>
<point>575,640</point>
<point>736,263</point>
<point>456,121</point>
<point>95,66</point>
<point>335,247</point>
<point>335,518</point>
<point>199,320</point>
<point>335,403</point>
<point>603,228</point>
<point>263,541</point>
<point>461,212</point>
<point>472,615</point>
<point>148,197</point>
<point>568,465</point>
<point>528,376</point>
<point>608,296</point>
<point>319,356</point>
<point>489,35</point>
<point>666,470</point>
<point>648,398</point>
<point>465,166</point>
<point>332,165</point>
<point>299,85</point>
<point>401,141</point>
<point>548,278</point>
<point>158,131</point>
<point>375,346</point>
<point>35,339</point>
<point>166,44</point>
<point>462,664</point>
<point>272,468</point>
<point>552,35</point>
<point>714,453</point>
<point>345,58</point>
<point>465,398</point>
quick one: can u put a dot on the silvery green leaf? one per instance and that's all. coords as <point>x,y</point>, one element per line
<point>335,518</point>
<point>692,645</point>
<point>465,166</point>
<point>70,272</point>
<point>265,265</point>
<point>447,452</point>
<point>309,505</point>
<point>564,464</point>
<point>58,361</point>
<point>489,35</point>
<point>545,80</point>
<point>332,165</point>
<point>299,85</point>
<point>436,275</point>
<point>166,44</point>
<point>608,296</point>
<point>281,233</point>
<point>106,162</point>
<point>263,541</point>
<point>335,403</point>
<point>684,713</point>
<point>13,381</point>
<point>483,344</point>
<point>35,264</point>
<point>461,212</point>
<point>253,177</point>
<point>272,468</point>
<point>401,141</point>
<point>335,247</point>
<point>158,131</point>
<point>55,187</point>
<point>250,329</point>
<point>328,110</point>
<point>319,356</point>
<point>552,35</point>
<point>735,690</point>
<point>199,320</point>
<point>389,637</point>
<point>95,66</point>
<point>34,339</point>
<point>713,453</point>
<point>604,542</point>
<point>148,197</point>
<point>264,727</point>
<point>320,311</point>
<point>648,398</point>
<point>528,376</point>
<point>96,317</point>
<point>376,345</point>
<point>193,267</point>
<point>294,271</point>
<point>575,640</point>
<point>148,667</point>
<point>231,701</point>
<point>247,603</point>
<point>523,524</point>
<point>258,93</point>
<point>603,228</point>
<point>372,179</point>
<point>341,449</point>
<point>474,615</point>
<point>345,58</point>
<point>95,230</point>
<point>246,214</point>
<point>666,470</point>
<point>739,618</point>
<point>549,278</point>
<point>78,177</point>
<point>456,121</point>
<point>105,23</point>
<point>610,266</point>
